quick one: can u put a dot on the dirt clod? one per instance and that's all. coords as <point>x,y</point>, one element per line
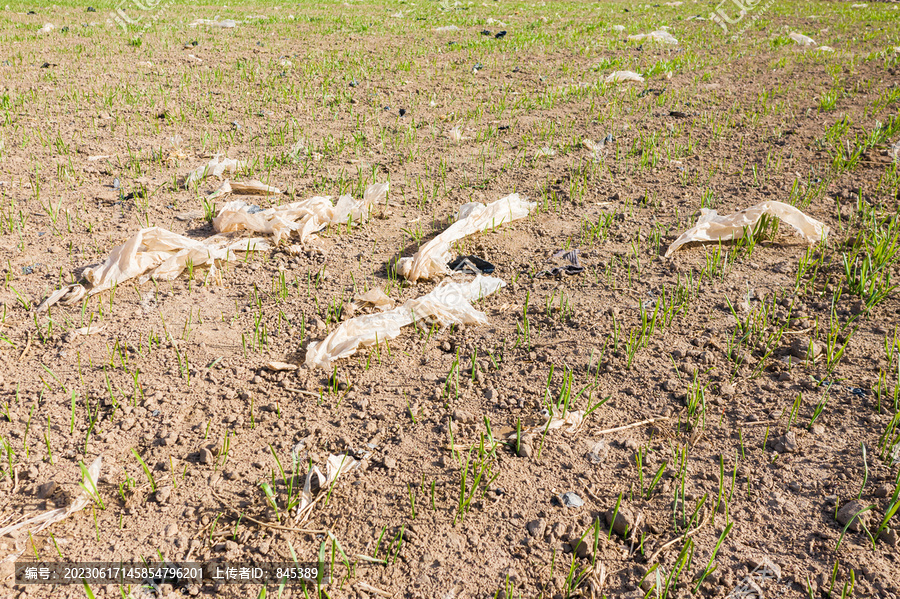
<point>849,512</point>
<point>625,519</point>
<point>786,443</point>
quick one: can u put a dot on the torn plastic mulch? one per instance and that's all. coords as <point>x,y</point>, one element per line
<point>624,77</point>
<point>472,265</point>
<point>801,39</point>
<point>252,188</point>
<point>597,148</point>
<point>40,522</point>
<point>574,266</point>
<point>713,227</point>
<point>655,36</point>
<point>306,217</point>
<point>214,168</point>
<point>154,253</point>
<point>449,303</point>
<point>431,260</point>
<point>335,465</point>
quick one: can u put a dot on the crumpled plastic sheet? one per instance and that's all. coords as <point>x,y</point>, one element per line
<point>335,466</point>
<point>446,29</point>
<point>66,295</point>
<point>573,419</point>
<point>894,152</point>
<point>431,260</point>
<point>472,265</point>
<point>624,77</point>
<point>801,39</point>
<point>214,168</point>
<point>655,36</point>
<point>51,517</point>
<point>376,298</point>
<point>306,217</point>
<point>713,227</point>
<point>597,147</point>
<point>573,267</point>
<point>249,188</point>
<point>154,253</point>
<point>449,303</point>
<point>223,24</point>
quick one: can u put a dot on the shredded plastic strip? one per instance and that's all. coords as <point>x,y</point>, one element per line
<point>431,260</point>
<point>449,303</point>
<point>713,227</point>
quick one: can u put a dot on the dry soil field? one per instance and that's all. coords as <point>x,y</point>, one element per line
<point>722,421</point>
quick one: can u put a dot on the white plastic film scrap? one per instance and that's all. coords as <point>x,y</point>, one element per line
<point>801,39</point>
<point>154,253</point>
<point>377,298</point>
<point>248,188</point>
<point>624,77</point>
<point>448,303</point>
<point>38,523</point>
<point>159,254</point>
<point>712,227</point>
<point>655,36</point>
<point>214,168</point>
<point>431,260</point>
<point>894,152</point>
<point>305,217</point>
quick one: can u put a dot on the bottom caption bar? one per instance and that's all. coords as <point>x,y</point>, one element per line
<point>175,574</point>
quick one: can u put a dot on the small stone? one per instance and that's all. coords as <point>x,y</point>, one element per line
<point>818,429</point>
<point>889,536</point>
<point>570,499</point>
<point>536,528</point>
<point>206,456</point>
<point>883,491</point>
<point>727,390</point>
<point>46,490</point>
<point>171,530</point>
<point>264,547</point>
<point>525,449</point>
<point>445,347</point>
<point>848,514</point>
<point>389,462</point>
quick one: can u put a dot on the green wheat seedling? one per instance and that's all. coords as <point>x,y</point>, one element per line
<point>89,486</point>
<point>146,470</point>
